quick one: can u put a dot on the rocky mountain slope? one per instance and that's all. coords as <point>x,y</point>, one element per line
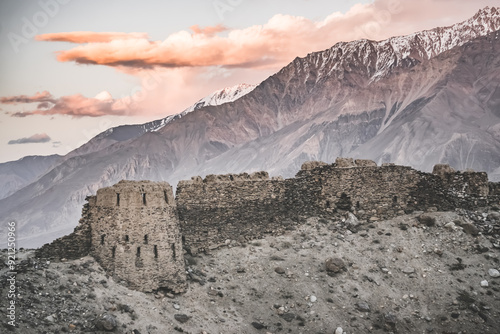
<point>14,175</point>
<point>435,272</point>
<point>128,132</point>
<point>431,97</point>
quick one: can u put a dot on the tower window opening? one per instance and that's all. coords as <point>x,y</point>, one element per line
<point>165,195</point>
<point>173,251</point>
<point>146,239</point>
<point>102,239</point>
<point>395,199</point>
<point>127,238</point>
<point>113,251</point>
<point>155,250</point>
<point>144,198</point>
<point>117,199</point>
<point>138,252</point>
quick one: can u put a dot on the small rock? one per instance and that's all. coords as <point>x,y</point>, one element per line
<point>427,220</point>
<point>106,322</point>
<point>50,318</point>
<point>494,216</point>
<point>334,265</point>
<point>182,318</point>
<point>339,330</point>
<point>408,270</point>
<point>363,307</point>
<point>451,226</point>
<point>279,270</point>
<point>468,227</point>
<point>313,299</point>
<point>288,317</point>
<point>493,273</point>
<point>390,320</point>
<point>258,325</point>
<point>352,220</point>
<point>484,283</point>
<point>177,306</point>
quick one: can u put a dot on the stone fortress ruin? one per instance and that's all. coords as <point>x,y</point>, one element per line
<point>138,231</point>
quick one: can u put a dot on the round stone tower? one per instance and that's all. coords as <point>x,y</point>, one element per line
<point>135,235</point>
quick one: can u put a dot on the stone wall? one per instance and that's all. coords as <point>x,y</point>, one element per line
<point>134,229</point>
<point>74,245</point>
<point>217,209</point>
<point>494,193</point>
<point>135,235</point>
<point>369,192</point>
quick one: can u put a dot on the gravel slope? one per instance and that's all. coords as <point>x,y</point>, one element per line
<point>412,274</point>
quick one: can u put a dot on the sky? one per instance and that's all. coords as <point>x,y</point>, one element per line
<point>70,69</point>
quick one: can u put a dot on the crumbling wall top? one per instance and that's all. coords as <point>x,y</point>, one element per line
<point>309,165</point>
<point>350,162</point>
<point>136,194</point>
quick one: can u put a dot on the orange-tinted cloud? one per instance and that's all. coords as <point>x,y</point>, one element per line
<point>43,97</point>
<point>210,31</point>
<point>73,105</point>
<point>90,37</point>
<point>270,45</point>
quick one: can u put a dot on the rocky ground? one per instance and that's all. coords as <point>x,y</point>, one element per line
<point>432,272</point>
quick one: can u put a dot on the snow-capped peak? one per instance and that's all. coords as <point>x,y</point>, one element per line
<point>221,96</point>
<point>377,58</point>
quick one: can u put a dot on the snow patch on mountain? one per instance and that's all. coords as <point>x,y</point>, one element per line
<point>225,95</point>
<point>378,58</point>
<point>221,96</point>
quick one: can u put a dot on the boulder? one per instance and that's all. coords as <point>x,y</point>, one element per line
<point>334,265</point>
<point>106,322</point>
<point>182,318</point>
<point>427,220</point>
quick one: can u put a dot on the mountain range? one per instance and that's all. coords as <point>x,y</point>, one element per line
<point>426,98</point>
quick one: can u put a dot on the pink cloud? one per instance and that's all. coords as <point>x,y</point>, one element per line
<point>187,65</point>
<point>43,97</point>
<point>80,37</point>
<point>73,105</point>
<point>270,45</point>
<point>210,31</point>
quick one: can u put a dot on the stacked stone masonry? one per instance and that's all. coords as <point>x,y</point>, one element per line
<point>137,230</point>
